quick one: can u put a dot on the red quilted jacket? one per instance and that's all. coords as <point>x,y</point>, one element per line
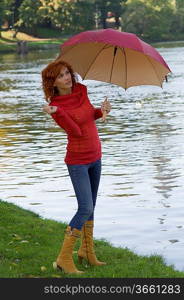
<point>76,115</point>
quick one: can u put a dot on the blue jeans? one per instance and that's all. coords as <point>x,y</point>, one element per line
<point>85,180</point>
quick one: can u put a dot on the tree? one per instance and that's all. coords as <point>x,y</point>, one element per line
<point>6,13</point>
<point>15,12</point>
<point>102,8</point>
<point>116,7</point>
<point>179,4</point>
<point>47,11</point>
<point>178,22</point>
<point>1,16</point>
<point>150,19</point>
<point>28,16</point>
<point>83,16</point>
<point>68,16</point>
<point>15,8</point>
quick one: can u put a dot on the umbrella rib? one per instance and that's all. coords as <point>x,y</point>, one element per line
<point>93,61</point>
<point>154,69</point>
<point>123,50</point>
<point>71,48</point>
<point>148,58</point>
<point>115,50</point>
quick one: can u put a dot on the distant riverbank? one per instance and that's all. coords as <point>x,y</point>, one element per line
<point>168,44</point>
<point>8,44</point>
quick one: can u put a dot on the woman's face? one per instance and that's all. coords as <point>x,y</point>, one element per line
<point>64,79</point>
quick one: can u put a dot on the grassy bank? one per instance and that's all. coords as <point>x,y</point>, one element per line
<point>29,245</point>
<point>9,44</point>
<point>169,44</point>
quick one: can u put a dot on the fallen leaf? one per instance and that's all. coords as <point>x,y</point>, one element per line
<point>24,241</point>
<point>43,268</point>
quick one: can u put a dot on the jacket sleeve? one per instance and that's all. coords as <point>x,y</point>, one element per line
<point>98,113</point>
<point>65,121</point>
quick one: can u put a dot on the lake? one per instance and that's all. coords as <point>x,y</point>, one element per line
<point>141,197</point>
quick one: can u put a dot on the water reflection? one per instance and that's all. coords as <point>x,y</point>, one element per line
<point>140,203</point>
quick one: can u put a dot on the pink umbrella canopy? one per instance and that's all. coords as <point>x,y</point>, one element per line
<point>115,57</point>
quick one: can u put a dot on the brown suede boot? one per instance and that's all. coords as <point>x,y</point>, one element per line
<point>86,249</point>
<point>64,260</point>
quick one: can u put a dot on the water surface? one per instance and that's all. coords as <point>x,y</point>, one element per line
<point>140,203</point>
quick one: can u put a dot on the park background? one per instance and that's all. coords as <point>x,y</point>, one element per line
<point>152,20</point>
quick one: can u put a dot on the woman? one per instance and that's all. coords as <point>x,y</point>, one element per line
<point>70,107</point>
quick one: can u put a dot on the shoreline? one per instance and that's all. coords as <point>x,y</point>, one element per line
<point>29,245</point>
<point>31,46</point>
<point>8,44</point>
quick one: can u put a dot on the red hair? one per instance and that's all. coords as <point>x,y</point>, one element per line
<point>49,75</point>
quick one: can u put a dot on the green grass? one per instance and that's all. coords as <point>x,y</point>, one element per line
<point>37,45</point>
<point>30,244</point>
<point>7,48</point>
<point>9,44</point>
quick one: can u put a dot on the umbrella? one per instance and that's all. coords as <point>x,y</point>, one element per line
<point>120,58</point>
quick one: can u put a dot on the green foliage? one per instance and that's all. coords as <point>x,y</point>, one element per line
<point>150,19</point>
<point>116,7</point>
<point>153,20</point>
<point>178,20</point>
<point>70,16</point>
<point>28,16</point>
<point>87,21</point>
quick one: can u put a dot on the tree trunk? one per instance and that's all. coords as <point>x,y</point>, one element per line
<point>117,22</point>
<point>104,23</point>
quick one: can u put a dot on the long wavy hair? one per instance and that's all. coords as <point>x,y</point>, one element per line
<point>49,75</point>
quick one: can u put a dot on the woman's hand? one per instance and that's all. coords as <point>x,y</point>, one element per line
<point>105,108</point>
<point>49,109</point>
